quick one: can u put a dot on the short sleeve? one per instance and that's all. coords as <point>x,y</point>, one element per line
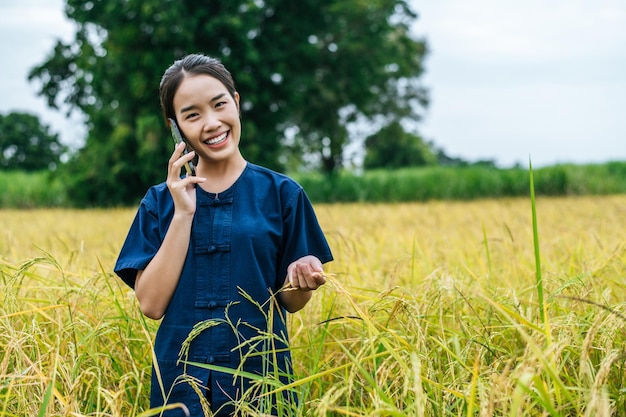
<point>302,234</point>
<point>141,244</point>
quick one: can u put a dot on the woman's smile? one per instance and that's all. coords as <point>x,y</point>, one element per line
<point>209,116</point>
<point>217,141</point>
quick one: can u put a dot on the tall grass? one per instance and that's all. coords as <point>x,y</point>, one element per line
<point>28,190</point>
<point>538,274</point>
<point>42,189</point>
<point>430,310</point>
<point>464,183</point>
<point>474,332</point>
<point>68,343</point>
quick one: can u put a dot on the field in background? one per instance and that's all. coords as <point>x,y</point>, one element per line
<point>431,309</point>
<point>47,189</point>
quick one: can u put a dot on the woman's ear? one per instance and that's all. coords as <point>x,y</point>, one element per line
<point>237,102</point>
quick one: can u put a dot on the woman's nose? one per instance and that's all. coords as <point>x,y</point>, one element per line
<point>211,122</point>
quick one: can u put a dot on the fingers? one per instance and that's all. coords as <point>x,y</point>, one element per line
<point>307,275</point>
<point>178,160</point>
<point>182,189</point>
<point>175,164</point>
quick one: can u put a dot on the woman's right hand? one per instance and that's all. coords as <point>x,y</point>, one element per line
<point>183,190</point>
<point>155,285</point>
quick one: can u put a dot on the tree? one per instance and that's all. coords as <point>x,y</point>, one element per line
<point>393,147</point>
<point>27,144</point>
<point>309,67</point>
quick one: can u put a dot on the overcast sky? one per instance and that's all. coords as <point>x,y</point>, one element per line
<point>507,80</point>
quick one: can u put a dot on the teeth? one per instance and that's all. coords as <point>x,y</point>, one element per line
<point>217,139</point>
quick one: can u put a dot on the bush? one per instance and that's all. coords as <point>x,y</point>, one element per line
<point>29,190</point>
<point>463,183</point>
<point>43,189</point>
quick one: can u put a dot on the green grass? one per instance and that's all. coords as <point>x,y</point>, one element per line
<point>464,183</point>
<point>42,189</point>
<point>29,190</point>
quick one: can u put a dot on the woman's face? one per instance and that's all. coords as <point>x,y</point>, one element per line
<point>208,117</point>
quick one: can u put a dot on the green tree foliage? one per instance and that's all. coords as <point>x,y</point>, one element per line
<point>307,66</point>
<point>28,145</point>
<point>393,147</point>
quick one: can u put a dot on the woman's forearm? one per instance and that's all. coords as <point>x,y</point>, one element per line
<point>155,285</point>
<point>303,276</point>
<point>294,299</point>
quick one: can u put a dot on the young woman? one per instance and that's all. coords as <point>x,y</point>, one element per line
<point>219,256</point>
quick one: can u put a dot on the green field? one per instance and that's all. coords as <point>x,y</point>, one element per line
<point>432,309</point>
<point>48,189</point>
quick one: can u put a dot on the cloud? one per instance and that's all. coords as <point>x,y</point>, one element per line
<point>512,79</point>
<point>30,29</point>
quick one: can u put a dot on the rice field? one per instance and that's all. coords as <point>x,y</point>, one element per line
<point>431,309</point>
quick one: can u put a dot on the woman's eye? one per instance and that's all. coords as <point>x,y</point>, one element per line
<point>220,104</point>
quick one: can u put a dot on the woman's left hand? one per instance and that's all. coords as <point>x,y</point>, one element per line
<point>306,273</point>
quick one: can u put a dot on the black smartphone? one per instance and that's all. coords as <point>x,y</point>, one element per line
<point>178,138</point>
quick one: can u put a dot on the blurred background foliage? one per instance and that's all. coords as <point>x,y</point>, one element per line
<point>331,94</point>
<point>27,144</point>
<point>21,189</point>
<point>305,70</point>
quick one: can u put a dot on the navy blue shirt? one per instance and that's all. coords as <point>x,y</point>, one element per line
<point>242,241</point>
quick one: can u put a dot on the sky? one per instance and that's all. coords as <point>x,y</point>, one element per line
<point>508,81</point>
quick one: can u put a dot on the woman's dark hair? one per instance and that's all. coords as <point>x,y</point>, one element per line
<point>194,64</point>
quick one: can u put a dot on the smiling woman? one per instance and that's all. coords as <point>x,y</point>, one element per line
<point>220,256</point>
<point>209,115</point>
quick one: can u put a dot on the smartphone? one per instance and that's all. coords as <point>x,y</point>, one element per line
<point>178,138</point>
